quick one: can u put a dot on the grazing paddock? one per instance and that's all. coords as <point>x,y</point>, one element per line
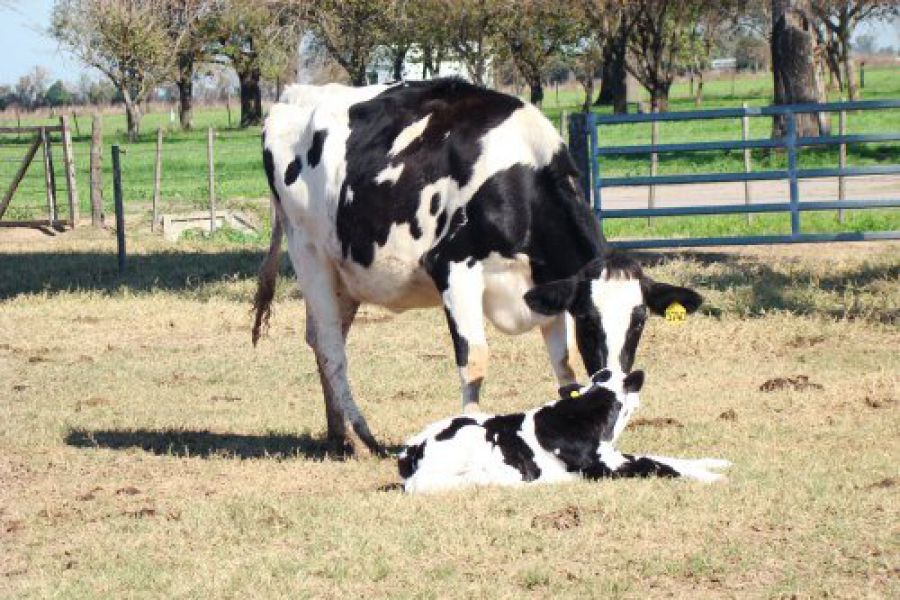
<point>146,449</point>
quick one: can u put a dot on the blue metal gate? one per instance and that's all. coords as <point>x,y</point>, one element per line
<point>589,157</point>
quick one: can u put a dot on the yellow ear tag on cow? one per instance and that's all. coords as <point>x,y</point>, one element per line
<point>675,313</point>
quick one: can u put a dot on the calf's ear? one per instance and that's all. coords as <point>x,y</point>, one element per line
<point>633,382</point>
<point>658,296</point>
<point>551,298</point>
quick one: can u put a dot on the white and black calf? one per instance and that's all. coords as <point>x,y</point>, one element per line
<point>442,193</point>
<point>565,440</point>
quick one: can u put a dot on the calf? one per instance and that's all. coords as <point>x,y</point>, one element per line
<point>568,439</point>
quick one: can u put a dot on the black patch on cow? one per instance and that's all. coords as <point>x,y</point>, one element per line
<point>567,390</point>
<point>601,376</point>
<point>415,230</point>
<point>454,426</point>
<point>619,265</point>
<point>269,168</point>
<point>503,432</point>
<point>460,344</point>
<point>658,296</point>
<point>409,459</point>
<point>632,337</point>
<point>591,338</point>
<point>314,154</point>
<point>440,223</point>
<point>460,115</point>
<point>572,428</point>
<point>293,171</point>
<point>435,204</point>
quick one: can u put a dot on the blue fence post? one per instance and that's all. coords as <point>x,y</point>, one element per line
<point>595,164</point>
<point>794,186</point>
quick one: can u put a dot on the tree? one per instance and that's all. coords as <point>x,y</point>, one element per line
<point>664,36</point>
<point>609,25</point>
<point>533,32</point>
<point>350,30</point>
<point>126,40</point>
<point>258,39</point>
<point>31,88</point>
<point>58,95</point>
<point>839,19</point>
<point>188,20</point>
<point>471,32</point>
<point>793,66</point>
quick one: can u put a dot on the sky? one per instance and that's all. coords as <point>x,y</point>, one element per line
<point>23,44</point>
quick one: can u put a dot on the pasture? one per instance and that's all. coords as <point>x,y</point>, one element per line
<point>146,449</point>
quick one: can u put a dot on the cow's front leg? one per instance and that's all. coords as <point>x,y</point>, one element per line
<point>465,318</point>
<point>559,340</point>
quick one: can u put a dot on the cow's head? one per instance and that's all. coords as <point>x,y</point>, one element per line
<point>609,299</point>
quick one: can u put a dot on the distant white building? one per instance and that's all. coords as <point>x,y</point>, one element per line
<point>723,64</point>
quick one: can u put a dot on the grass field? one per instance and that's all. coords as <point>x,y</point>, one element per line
<point>147,450</point>
<point>239,170</point>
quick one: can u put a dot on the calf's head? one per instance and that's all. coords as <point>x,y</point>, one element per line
<point>609,299</point>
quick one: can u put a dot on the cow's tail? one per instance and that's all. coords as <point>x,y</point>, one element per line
<point>268,277</point>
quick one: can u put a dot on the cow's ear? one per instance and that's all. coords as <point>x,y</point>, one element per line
<point>659,296</point>
<point>633,382</point>
<point>570,390</point>
<point>551,298</point>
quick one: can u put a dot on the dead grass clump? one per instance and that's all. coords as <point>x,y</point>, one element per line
<point>565,518</point>
<point>799,383</point>
<point>655,422</point>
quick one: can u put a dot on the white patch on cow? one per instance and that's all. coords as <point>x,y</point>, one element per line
<point>506,280</point>
<point>408,136</point>
<point>462,298</point>
<point>390,174</point>
<point>615,299</point>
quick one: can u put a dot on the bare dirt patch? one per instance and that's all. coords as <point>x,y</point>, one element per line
<point>799,383</point>
<point>657,422</point>
<point>565,518</point>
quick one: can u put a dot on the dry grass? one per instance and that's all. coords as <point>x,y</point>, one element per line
<point>147,450</point>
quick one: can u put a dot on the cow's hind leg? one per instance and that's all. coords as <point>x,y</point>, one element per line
<point>338,441</point>
<point>462,294</point>
<point>330,311</point>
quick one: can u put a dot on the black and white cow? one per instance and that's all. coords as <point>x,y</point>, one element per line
<point>569,439</point>
<point>443,193</point>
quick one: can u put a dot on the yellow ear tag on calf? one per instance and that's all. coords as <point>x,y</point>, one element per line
<point>675,313</point>
<point>574,394</point>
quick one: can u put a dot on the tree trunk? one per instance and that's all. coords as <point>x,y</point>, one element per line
<point>251,96</point>
<point>613,89</point>
<point>849,75</point>
<point>358,75</point>
<point>659,97</point>
<point>698,98</point>
<point>588,84</point>
<point>132,116</point>
<point>793,64</point>
<point>186,104</point>
<point>537,91</point>
<point>399,58</point>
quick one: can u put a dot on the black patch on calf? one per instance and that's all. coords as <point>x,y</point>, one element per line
<point>435,204</point>
<point>644,467</point>
<point>409,459</point>
<point>454,426</point>
<point>503,432</point>
<point>567,390</point>
<point>293,171</point>
<point>314,154</point>
<point>440,224</point>
<point>572,428</point>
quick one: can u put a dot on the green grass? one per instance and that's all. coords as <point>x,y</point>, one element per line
<point>239,170</point>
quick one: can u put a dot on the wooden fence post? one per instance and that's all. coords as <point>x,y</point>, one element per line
<point>212,180</point>
<point>119,206</point>
<point>69,164</point>
<point>157,179</point>
<point>745,135</point>
<point>49,178</point>
<point>96,171</point>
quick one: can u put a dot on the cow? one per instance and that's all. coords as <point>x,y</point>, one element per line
<point>443,193</point>
<point>571,438</point>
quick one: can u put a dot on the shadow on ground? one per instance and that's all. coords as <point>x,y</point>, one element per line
<point>205,444</point>
<point>52,272</point>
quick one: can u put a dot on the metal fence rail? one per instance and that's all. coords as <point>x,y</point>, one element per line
<point>589,157</point>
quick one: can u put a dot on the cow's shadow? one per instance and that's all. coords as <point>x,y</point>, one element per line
<point>205,444</point>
